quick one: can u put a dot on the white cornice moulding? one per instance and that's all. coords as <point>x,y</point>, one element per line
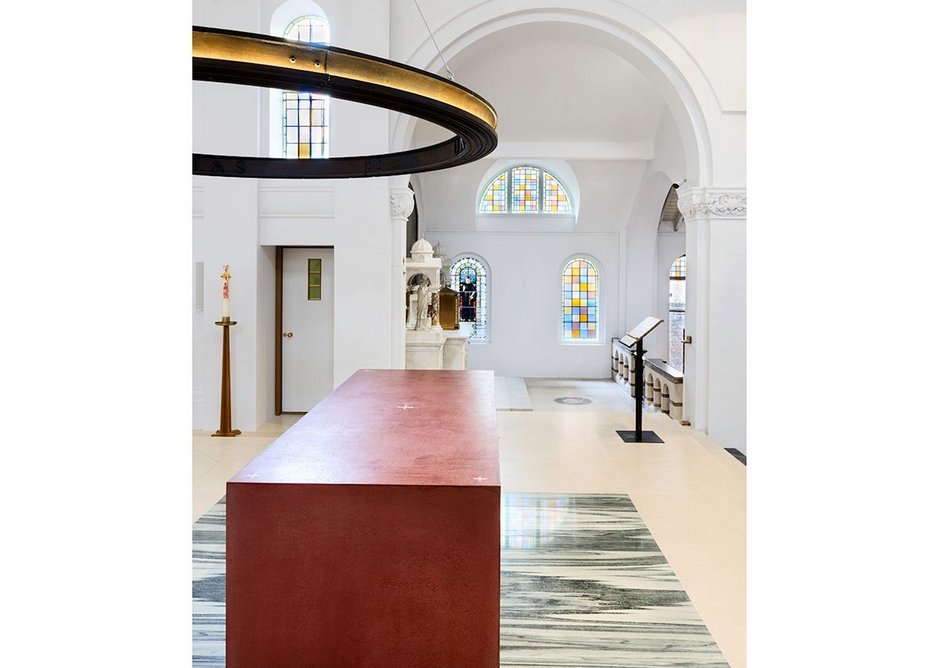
<point>713,203</point>
<point>522,233</point>
<point>586,150</point>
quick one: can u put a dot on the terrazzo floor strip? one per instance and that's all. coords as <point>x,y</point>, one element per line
<point>583,585</point>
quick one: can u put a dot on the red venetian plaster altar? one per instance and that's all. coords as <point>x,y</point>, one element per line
<point>368,534</point>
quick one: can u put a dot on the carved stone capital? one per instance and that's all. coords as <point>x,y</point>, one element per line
<point>402,203</point>
<point>707,202</point>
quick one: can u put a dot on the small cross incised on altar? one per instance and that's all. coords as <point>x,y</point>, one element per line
<point>405,407</point>
<point>479,478</point>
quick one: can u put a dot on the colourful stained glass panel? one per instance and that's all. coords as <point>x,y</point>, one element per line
<point>306,116</point>
<point>469,278</point>
<point>580,311</point>
<point>305,125</point>
<point>495,197</point>
<point>555,197</point>
<point>524,189</point>
<point>679,268</point>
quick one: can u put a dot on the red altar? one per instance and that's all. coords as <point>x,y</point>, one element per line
<point>368,534</point>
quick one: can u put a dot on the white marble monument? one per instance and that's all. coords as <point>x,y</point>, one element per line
<point>426,345</point>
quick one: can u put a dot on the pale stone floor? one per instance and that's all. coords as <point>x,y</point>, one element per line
<point>690,492</point>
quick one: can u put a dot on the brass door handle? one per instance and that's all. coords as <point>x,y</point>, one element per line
<point>288,335</point>
<point>689,339</point>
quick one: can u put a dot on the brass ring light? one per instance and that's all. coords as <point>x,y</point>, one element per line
<point>229,56</point>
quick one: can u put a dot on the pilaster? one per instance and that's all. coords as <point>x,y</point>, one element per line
<point>401,206</point>
<point>715,360</point>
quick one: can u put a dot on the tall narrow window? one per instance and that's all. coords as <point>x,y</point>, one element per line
<point>677,299</point>
<point>580,301</point>
<point>525,189</point>
<point>469,278</point>
<point>305,115</point>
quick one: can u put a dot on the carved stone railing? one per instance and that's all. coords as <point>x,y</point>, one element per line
<point>664,385</point>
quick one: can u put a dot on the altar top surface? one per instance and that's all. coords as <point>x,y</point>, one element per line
<point>390,427</point>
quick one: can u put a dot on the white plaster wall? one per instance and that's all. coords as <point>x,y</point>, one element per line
<point>607,190</point>
<point>525,301</point>
<point>727,395</point>
<point>641,242</point>
<point>198,340</point>
<point>240,222</point>
<point>266,333</point>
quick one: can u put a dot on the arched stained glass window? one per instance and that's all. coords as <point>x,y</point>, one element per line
<point>580,301</point>
<point>495,197</point>
<point>305,115</point>
<point>677,298</point>
<point>469,278</point>
<point>555,196</point>
<point>525,189</point>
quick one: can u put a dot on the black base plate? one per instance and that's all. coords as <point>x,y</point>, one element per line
<point>647,437</point>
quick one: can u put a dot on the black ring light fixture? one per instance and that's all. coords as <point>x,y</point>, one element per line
<point>229,56</point>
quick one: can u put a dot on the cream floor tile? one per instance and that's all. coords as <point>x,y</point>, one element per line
<point>201,463</point>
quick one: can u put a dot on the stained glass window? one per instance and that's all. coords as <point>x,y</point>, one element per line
<point>555,197</point>
<point>305,115</point>
<point>679,268</point>
<point>580,301</point>
<point>308,29</point>
<point>469,278</point>
<point>525,189</point>
<point>495,197</point>
<point>677,299</point>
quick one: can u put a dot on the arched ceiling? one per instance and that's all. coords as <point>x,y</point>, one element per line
<point>555,83</point>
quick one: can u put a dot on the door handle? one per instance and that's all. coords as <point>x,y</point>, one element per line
<point>688,340</point>
<point>288,335</point>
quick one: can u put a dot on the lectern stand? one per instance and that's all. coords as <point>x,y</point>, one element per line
<point>635,338</point>
<point>225,427</point>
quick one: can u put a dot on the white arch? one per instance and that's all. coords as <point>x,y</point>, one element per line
<point>663,59</point>
<point>289,11</point>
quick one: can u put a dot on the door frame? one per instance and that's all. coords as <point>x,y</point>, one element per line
<point>278,324</point>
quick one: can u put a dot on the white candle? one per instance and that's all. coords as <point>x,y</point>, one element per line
<point>225,309</point>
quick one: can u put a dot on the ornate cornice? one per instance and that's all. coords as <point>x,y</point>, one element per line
<point>717,203</point>
<point>402,203</point>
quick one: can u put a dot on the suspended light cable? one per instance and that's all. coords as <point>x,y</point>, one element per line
<point>452,77</point>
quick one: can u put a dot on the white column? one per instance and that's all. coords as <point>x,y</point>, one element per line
<point>402,205</point>
<point>715,363</point>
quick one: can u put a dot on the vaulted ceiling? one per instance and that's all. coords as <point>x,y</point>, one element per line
<point>552,83</point>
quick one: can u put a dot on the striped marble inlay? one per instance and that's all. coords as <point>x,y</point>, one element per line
<point>208,588</point>
<point>583,585</point>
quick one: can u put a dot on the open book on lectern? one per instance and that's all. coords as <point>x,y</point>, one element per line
<point>641,330</point>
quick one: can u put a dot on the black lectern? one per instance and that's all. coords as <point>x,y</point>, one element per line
<point>634,338</point>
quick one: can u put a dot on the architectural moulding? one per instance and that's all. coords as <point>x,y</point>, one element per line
<point>402,203</point>
<point>713,203</point>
